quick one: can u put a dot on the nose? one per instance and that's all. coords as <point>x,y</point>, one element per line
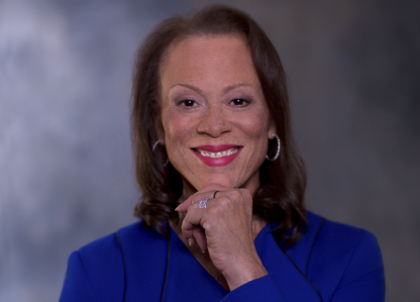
<point>213,122</point>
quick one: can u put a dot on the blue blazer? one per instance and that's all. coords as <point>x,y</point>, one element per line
<point>331,262</point>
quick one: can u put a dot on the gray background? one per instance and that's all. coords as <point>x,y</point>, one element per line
<point>66,168</point>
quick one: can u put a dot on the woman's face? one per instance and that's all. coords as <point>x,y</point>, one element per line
<point>214,120</point>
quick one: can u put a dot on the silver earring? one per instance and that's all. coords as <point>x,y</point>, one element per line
<point>153,149</point>
<point>278,149</point>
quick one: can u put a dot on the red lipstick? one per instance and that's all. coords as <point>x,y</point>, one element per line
<point>210,151</point>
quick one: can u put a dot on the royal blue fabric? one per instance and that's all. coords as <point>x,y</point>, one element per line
<point>331,262</point>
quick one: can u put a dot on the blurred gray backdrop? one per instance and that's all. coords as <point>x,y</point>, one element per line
<point>66,167</point>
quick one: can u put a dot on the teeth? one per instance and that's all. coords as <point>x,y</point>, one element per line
<point>218,154</point>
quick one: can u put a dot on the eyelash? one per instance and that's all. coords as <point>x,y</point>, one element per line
<point>193,103</point>
<point>183,103</point>
<point>245,102</point>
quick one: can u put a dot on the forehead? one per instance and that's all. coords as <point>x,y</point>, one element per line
<point>200,59</point>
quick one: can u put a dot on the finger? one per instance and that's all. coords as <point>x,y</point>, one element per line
<point>212,187</point>
<point>183,207</point>
<point>200,237</point>
<point>195,198</point>
<point>193,219</point>
<point>191,241</point>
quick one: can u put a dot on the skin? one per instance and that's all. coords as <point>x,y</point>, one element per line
<point>210,95</point>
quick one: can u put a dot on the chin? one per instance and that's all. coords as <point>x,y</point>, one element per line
<point>222,180</point>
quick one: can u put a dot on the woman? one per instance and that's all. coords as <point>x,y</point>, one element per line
<point>223,184</point>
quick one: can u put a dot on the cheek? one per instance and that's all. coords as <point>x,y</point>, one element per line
<point>177,129</point>
<point>256,127</point>
<point>256,131</point>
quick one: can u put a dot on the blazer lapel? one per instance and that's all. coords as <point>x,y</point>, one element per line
<point>292,283</point>
<point>187,280</point>
<point>145,254</point>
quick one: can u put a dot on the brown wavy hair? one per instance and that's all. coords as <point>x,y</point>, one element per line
<point>280,197</point>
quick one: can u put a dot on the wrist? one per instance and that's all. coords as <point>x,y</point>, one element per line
<point>244,271</point>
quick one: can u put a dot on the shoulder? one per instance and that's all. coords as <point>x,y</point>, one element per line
<point>108,246</point>
<point>341,256</point>
<point>329,241</point>
<point>332,246</point>
<point>334,240</point>
<point>97,269</point>
<point>338,239</point>
<point>106,253</point>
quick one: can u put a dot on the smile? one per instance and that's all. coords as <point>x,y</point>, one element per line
<point>217,156</point>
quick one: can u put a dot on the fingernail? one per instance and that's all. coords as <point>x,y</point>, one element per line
<point>189,241</point>
<point>176,209</point>
<point>203,251</point>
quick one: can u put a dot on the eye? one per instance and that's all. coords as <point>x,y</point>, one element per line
<point>187,103</point>
<point>239,102</point>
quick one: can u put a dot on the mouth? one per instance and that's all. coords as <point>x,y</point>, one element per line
<point>216,156</point>
<point>219,154</point>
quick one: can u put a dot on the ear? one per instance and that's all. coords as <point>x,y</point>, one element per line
<point>271,129</point>
<point>159,129</point>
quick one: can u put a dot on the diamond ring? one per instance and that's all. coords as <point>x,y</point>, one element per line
<point>203,202</point>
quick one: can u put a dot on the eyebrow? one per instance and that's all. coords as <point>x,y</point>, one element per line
<point>226,89</point>
<point>231,87</point>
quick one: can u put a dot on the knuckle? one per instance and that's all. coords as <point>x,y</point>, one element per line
<point>207,226</point>
<point>245,193</point>
<point>213,211</point>
<point>235,194</point>
<point>246,196</point>
<point>223,202</point>
<point>184,224</point>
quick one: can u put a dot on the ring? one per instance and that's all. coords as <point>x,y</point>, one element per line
<point>214,195</point>
<point>203,202</point>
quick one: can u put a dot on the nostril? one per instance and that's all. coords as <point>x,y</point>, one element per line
<point>213,123</point>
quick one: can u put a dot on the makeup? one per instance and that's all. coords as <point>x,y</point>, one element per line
<point>217,156</point>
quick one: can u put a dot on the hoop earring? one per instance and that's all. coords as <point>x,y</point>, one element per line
<point>153,149</point>
<point>278,149</point>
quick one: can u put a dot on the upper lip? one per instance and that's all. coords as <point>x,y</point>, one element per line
<point>216,148</point>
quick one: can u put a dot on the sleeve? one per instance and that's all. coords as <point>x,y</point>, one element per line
<point>262,289</point>
<point>363,278</point>
<point>359,278</point>
<point>77,286</point>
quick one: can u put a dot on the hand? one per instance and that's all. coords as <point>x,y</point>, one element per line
<point>224,228</point>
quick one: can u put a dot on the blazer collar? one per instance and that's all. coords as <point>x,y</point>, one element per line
<point>291,281</point>
<point>188,280</point>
